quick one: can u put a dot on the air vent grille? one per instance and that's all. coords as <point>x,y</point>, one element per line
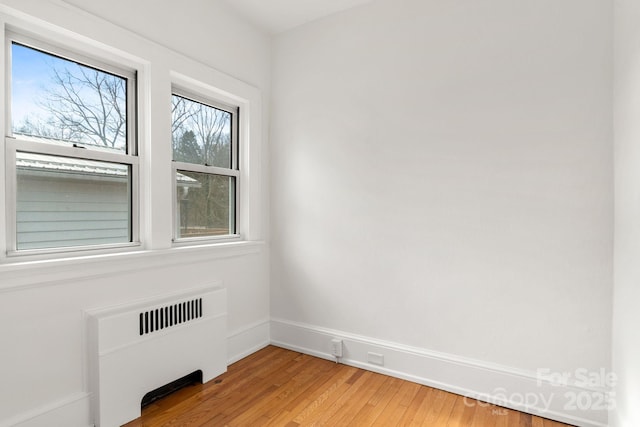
<point>171,315</point>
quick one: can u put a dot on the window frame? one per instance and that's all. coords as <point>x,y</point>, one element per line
<point>18,143</point>
<point>233,171</point>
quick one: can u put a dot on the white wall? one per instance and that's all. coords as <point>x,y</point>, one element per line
<point>207,30</point>
<point>442,179</point>
<point>626,335</point>
<point>43,372</point>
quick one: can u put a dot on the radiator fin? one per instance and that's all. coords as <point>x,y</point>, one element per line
<point>170,315</point>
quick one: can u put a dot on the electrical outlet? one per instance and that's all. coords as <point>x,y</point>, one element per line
<point>336,347</point>
<point>375,358</point>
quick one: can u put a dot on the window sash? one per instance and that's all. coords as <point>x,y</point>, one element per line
<point>73,56</point>
<point>213,170</point>
<point>13,146</point>
<point>234,111</point>
<point>231,215</point>
<point>209,170</point>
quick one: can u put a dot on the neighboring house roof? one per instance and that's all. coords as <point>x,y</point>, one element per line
<point>38,162</point>
<point>55,166</point>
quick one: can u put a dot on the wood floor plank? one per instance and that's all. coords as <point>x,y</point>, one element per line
<point>225,389</point>
<point>378,402</point>
<point>551,423</point>
<point>457,413</point>
<point>430,398</point>
<point>414,406</point>
<point>526,420</point>
<point>278,387</point>
<point>304,409</point>
<point>482,416</point>
<point>469,412</point>
<point>502,417</point>
<point>296,408</point>
<point>349,407</point>
<point>440,417</point>
<point>537,422</point>
<point>289,393</point>
<point>396,408</point>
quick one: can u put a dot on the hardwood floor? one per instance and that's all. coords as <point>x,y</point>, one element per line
<point>278,387</point>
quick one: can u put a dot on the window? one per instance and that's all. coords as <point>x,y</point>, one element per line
<point>70,150</point>
<point>205,167</point>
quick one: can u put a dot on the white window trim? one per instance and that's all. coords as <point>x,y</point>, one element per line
<point>14,144</point>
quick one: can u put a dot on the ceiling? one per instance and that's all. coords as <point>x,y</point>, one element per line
<point>276,16</point>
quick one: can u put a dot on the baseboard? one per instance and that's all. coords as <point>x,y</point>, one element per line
<point>500,385</point>
<point>72,411</point>
<point>246,341</point>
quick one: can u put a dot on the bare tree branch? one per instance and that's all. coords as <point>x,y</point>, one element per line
<point>90,106</point>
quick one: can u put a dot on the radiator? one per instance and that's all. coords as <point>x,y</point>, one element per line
<point>140,346</point>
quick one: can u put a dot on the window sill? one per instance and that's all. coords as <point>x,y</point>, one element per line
<point>32,274</point>
<point>206,240</point>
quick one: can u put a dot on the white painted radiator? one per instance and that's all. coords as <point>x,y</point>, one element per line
<point>138,347</point>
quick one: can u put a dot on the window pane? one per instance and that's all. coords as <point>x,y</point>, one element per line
<point>205,204</point>
<point>64,202</point>
<point>201,134</point>
<point>62,102</point>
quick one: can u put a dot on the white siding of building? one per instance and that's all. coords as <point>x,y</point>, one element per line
<point>71,210</point>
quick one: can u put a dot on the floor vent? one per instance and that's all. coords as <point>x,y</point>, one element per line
<point>168,316</point>
<point>165,390</point>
